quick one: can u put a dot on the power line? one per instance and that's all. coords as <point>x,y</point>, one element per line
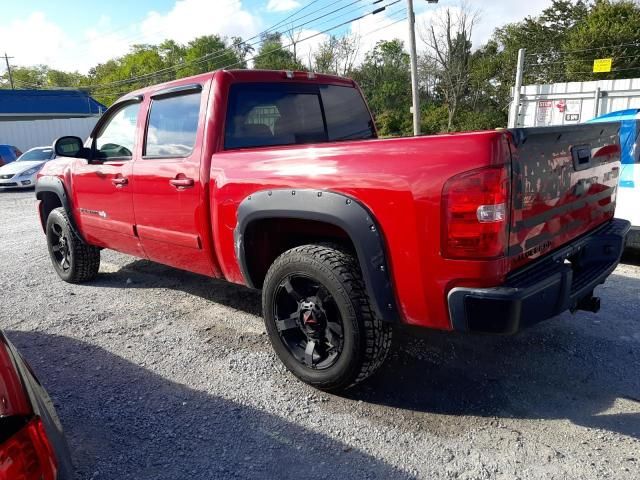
<point>320,33</point>
<point>121,92</point>
<point>565,52</point>
<point>564,62</point>
<point>212,55</point>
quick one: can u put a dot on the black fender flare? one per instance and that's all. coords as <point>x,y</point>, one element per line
<point>52,184</point>
<point>336,209</point>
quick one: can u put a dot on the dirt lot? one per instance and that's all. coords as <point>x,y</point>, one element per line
<point>161,374</point>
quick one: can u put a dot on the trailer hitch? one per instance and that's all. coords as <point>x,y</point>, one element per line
<point>587,303</point>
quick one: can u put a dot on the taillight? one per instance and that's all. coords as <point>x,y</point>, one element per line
<point>27,455</point>
<point>475,211</point>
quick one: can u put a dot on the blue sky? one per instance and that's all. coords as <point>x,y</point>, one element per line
<point>77,34</point>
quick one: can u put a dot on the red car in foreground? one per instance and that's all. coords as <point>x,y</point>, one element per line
<point>32,443</point>
<point>276,180</point>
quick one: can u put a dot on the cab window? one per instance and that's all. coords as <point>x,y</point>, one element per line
<point>117,136</point>
<point>262,115</point>
<point>173,125</point>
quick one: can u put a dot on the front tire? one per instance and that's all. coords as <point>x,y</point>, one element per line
<point>319,319</point>
<point>73,260</point>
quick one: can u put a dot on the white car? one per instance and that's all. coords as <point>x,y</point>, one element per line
<point>22,172</point>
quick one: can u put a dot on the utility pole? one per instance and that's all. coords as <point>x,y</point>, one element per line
<point>6,60</point>
<point>415,92</point>
<point>515,104</point>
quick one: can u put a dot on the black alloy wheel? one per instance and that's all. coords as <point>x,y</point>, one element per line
<point>73,260</point>
<point>319,319</point>
<point>308,321</point>
<point>60,247</point>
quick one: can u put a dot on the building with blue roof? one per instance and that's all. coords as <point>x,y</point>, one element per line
<point>35,118</point>
<point>48,103</point>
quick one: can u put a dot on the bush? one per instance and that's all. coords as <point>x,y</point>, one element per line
<point>394,124</point>
<point>485,119</point>
<point>434,119</point>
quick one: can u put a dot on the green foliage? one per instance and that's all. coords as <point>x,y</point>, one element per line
<point>205,54</point>
<point>394,123</point>
<point>167,61</point>
<point>462,88</point>
<point>608,23</point>
<point>273,55</point>
<point>385,80</point>
<point>336,56</point>
<point>434,119</point>
<point>30,77</point>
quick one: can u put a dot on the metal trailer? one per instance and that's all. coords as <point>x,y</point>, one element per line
<point>574,102</point>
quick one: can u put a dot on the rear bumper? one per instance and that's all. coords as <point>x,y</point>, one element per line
<point>562,280</point>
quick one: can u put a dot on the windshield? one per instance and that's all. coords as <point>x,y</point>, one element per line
<point>36,154</point>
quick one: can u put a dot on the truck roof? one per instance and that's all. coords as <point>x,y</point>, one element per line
<point>247,76</point>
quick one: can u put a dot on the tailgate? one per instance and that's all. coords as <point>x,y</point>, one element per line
<point>564,185</point>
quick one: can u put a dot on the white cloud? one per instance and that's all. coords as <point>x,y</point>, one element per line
<point>35,40</point>
<point>192,18</point>
<point>492,14</point>
<point>282,5</point>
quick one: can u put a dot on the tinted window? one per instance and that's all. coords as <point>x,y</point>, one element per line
<point>117,136</point>
<point>260,115</point>
<point>37,154</point>
<point>173,124</point>
<point>347,115</point>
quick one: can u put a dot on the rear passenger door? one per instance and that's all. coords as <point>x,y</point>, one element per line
<point>168,197</point>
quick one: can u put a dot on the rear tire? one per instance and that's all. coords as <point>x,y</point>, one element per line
<point>73,260</point>
<point>315,294</point>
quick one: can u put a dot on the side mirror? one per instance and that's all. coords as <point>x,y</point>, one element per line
<point>70,147</point>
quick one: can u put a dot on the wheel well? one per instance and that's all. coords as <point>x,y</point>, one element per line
<point>49,201</point>
<point>266,239</point>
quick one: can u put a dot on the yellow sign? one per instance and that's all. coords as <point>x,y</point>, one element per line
<point>602,65</point>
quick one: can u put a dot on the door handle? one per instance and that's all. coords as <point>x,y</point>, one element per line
<point>181,183</point>
<point>120,182</point>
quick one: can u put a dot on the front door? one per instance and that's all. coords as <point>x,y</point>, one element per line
<point>169,199</point>
<point>102,185</point>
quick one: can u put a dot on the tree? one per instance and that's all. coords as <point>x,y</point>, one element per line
<point>545,39</point>
<point>611,29</point>
<point>337,56</point>
<point>448,40</point>
<point>385,80</point>
<point>493,66</point>
<point>273,55</point>
<point>28,77</point>
<point>208,53</point>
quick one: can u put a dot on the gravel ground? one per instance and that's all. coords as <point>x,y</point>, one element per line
<point>161,374</point>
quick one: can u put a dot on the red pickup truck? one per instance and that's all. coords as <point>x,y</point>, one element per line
<point>276,180</point>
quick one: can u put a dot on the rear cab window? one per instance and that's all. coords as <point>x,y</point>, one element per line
<point>260,115</point>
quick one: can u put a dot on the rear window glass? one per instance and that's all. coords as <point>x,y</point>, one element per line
<point>286,114</point>
<point>347,115</point>
<point>173,124</point>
